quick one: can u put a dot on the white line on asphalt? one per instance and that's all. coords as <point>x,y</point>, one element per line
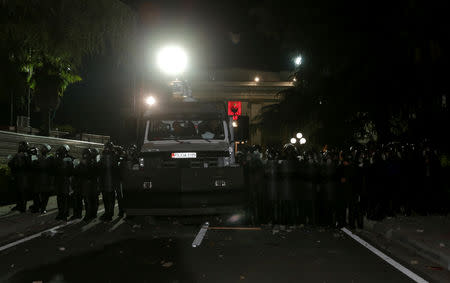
<point>23,240</point>
<point>199,238</point>
<point>121,221</point>
<point>26,239</point>
<point>49,212</point>
<point>90,225</point>
<point>386,258</point>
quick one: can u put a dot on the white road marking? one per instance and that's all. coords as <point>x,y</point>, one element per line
<point>31,237</point>
<point>121,221</point>
<point>90,225</point>
<point>199,238</point>
<point>23,240</point>
<point>386,258</point>
<point>49,212</point>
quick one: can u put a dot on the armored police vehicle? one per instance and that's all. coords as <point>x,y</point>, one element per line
<point>186,163</point>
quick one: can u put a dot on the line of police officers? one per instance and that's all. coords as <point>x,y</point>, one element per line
<point>334,187</point>
<point>37,175</point>
<point>289,188</point>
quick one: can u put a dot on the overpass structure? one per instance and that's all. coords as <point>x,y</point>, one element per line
<point>240,85</point>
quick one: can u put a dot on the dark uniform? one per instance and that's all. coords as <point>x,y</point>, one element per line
<point>34,180</point>
<point>308,173</point>
<point>287,169</point>
<point>109,179</point>
<point>329,190</point>
<point>86,185</point>
<point>347,197</point>
<point>20,166</point>
<point>45,176</point>
<point>63,180</point>
<point>125,165</point>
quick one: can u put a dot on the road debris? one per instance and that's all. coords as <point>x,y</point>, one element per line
<point>199,238</point>
<point>435,267</point>
<point>414,262</point>
<point>442,245</point>
<point>167,264</point>
<point>235,228</point>
<point>62,248</point>
<point>50,233</point>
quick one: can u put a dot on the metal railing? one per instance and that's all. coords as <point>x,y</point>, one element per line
<point>9,142</point>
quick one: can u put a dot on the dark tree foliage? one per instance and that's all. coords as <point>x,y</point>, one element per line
<point>378,62</point>
<point>45,42</point>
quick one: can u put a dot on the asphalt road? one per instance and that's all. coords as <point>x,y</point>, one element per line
<point>161,251</point>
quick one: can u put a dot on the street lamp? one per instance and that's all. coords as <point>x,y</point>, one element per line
<point>298,60</point>
<point>302,141</point>
<point>293,140</point>
<point>150,100</point>
<point>257,79</point>
<point>172,60</point>
<point>299,135</point>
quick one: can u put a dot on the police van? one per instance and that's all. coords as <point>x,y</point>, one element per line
<point>186,163</point>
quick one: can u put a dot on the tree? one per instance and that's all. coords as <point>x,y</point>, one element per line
<point>56,35</point>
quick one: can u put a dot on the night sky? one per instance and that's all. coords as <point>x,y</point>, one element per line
<point>266,35</point>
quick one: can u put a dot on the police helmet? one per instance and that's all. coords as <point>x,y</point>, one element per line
<point>86,153</point>
<point>45,148</point>
<point>94,152</point>
<point>109,146</point>
<point>23,146</point>
<point>63,150</point>
<point>34,151</point>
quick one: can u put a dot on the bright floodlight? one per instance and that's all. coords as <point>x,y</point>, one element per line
<point>298,60</point>
<point>299,135</point>
<point>150,100</point>
<point>257,79</point>
<point>302,141</point>
<point>235,124</point>
<point>293,140</point>
<point>172,60</point>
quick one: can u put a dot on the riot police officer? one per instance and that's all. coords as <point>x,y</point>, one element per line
<point>20,165</point>
<point>329,182</point>
<point>108,170</point>
<point>63,178</point>
<point>86,182</point>
<point>34,178</point>
<point>45,177</point>
<point>347,196</point>
<point>125,165</point>
<point>288,183</point>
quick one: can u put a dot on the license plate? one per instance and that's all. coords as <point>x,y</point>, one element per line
<point>184,155</point>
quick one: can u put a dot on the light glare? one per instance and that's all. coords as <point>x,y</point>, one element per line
<point>293,140</point>
<point>172,60</point>
<point>150,100</point>
<point>302,141</point>
<point>299,135</point>
<point>257,79</point>
<point>298,60</point>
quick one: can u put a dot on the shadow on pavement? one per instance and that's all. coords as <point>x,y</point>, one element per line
<point>152,260</point>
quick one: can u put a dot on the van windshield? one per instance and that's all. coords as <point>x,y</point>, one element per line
<point>185,129</point>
